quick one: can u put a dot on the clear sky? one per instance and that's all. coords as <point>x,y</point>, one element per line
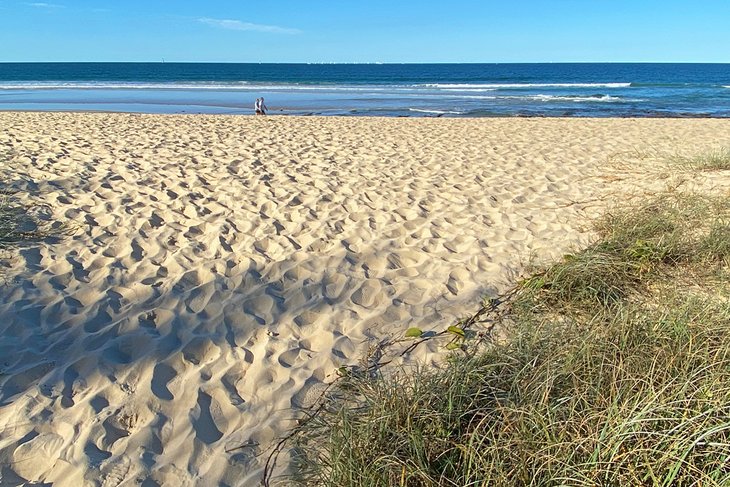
<point>366,31</point>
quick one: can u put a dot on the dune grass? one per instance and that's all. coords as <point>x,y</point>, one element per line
<point>20,224</point>
<point>614,370</point>
<point>715,160</point>
<point>636,245</point>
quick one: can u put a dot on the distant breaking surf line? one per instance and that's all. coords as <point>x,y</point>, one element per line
<point>524,85</point>
<point>439,112</point>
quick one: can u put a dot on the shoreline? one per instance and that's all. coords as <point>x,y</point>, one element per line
<point>473,90</point>
<point>446,116</point>
<point>223,267</point>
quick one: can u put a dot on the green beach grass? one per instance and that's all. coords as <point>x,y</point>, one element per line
<point>714,160</point>
<point>613,369</point>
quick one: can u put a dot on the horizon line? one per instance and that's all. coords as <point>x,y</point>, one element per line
<point>363,62</point>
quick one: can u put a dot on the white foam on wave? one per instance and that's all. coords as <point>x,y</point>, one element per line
<point>495,86</point>
<point>439,112</point>
<point>556,98</point>
<point>602,98</point>
<point>255,86</point>
<point>469,90</point>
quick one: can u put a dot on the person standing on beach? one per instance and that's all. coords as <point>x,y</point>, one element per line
<point>260,107</point>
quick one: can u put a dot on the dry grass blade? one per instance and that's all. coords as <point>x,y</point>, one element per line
<point>21,224</point>
<point>715,160</point>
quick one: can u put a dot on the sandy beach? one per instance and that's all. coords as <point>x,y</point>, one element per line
<point>221,268</point>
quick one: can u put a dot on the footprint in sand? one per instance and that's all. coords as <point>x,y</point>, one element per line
<point>112,433</point>
<point>203,423</point>
<point>201,351</point>
<point>312,316</point>
<point>101,320</point>
<point>405,258</point>
<point>457,279</point>
<point>69,377</point>
<point>94,454</point>
<point>99,403</point>
<point>32,459</point>
<point>161,377</point>
<point>233,383</point>
<point>21,381</point>
<point>369,295</point>
<point>288,358</point>
<point>156,221</point>
<point>115,472</point>
<point>333,286</point>
<point>199,298</point>
<point>261,307</point>
<point>137,251</point>
<point>80,274</point>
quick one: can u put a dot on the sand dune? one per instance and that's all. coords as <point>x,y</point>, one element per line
<point>222,266</point>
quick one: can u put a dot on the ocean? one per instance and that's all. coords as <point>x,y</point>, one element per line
<point>449,90</point>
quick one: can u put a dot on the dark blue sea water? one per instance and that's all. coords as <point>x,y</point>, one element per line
<point>453,90</point>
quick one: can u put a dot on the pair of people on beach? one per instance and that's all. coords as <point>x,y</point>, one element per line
<point>259,107</point>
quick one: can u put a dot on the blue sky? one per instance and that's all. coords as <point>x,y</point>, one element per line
<point>366,31</point>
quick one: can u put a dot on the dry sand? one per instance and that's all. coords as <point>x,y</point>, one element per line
<point>222,267</point>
